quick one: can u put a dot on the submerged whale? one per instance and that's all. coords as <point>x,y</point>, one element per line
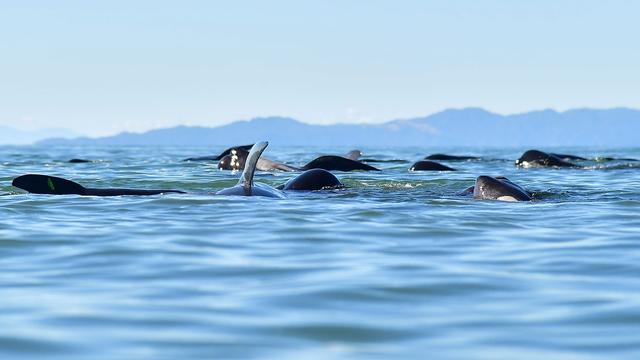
<point>497,188</point>
<point>450,157</point>
<point>426,165</point>
<point>52,185</point>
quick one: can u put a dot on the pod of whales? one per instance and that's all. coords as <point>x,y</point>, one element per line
<point>315,175</point>
<point>314,179</point>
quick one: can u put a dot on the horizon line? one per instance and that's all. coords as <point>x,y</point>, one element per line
<point>261,117</point>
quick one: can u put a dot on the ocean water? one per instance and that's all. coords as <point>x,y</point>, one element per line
<point>395,265</point>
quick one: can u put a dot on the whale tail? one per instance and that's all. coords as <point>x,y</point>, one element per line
<point>246,180</point>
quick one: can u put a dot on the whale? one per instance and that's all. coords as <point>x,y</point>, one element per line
<point>312,180</point>
<point>52,185</point>
<point>246,186</point>
<point>427,165</point>
<point>450,157</point>
<point>236,160</point>
<point>337,163</point>
<point>78,161</point>
<point>219,156</point>
<point>497,188</point>
<point>537,158</point>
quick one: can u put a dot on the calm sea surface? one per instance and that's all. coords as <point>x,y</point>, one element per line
<point>395,265</point>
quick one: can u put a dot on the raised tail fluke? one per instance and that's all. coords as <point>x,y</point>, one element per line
<point>246,180</point>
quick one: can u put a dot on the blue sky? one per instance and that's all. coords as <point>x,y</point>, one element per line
<point>101,68</point>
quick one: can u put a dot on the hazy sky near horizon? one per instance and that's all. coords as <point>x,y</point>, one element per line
<point>103,67</point>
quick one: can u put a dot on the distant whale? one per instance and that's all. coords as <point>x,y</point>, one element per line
<point>426,165</point>
<point>219,156</point>
<point>537,158</point>
<point>79,161</point>
<point>450,157</point>
<point>497,188</point>
<point>236,159</point>
<point>338,163</point>
<point>45,184</point>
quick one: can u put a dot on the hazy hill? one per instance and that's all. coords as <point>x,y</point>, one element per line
<point>11,136</point>
<point>469,127</point>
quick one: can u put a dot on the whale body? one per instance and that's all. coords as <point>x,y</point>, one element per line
<point>427,165</point>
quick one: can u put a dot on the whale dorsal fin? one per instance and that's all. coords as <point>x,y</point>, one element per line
<point>246,180</point>
<point>353,154</point>
<point>45,184</point>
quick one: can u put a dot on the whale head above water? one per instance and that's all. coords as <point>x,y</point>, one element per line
<point>537,158</point>
<point>499,188</point>
<point>246,186</point>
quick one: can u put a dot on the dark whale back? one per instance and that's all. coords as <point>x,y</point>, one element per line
<point>44,184</point>
<point>52,185</point>
<point>541,159</point>
<point>79,161</point>
<point>450,157</point>
<point>337,163</point>
<point>490,188</point>
<point>426,165</point>
<point>313,179</point>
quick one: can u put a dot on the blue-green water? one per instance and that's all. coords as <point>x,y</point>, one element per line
<point>395,265</point>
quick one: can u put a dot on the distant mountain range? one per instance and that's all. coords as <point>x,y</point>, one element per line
<point>456,127</point>
<point>11,136</point>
